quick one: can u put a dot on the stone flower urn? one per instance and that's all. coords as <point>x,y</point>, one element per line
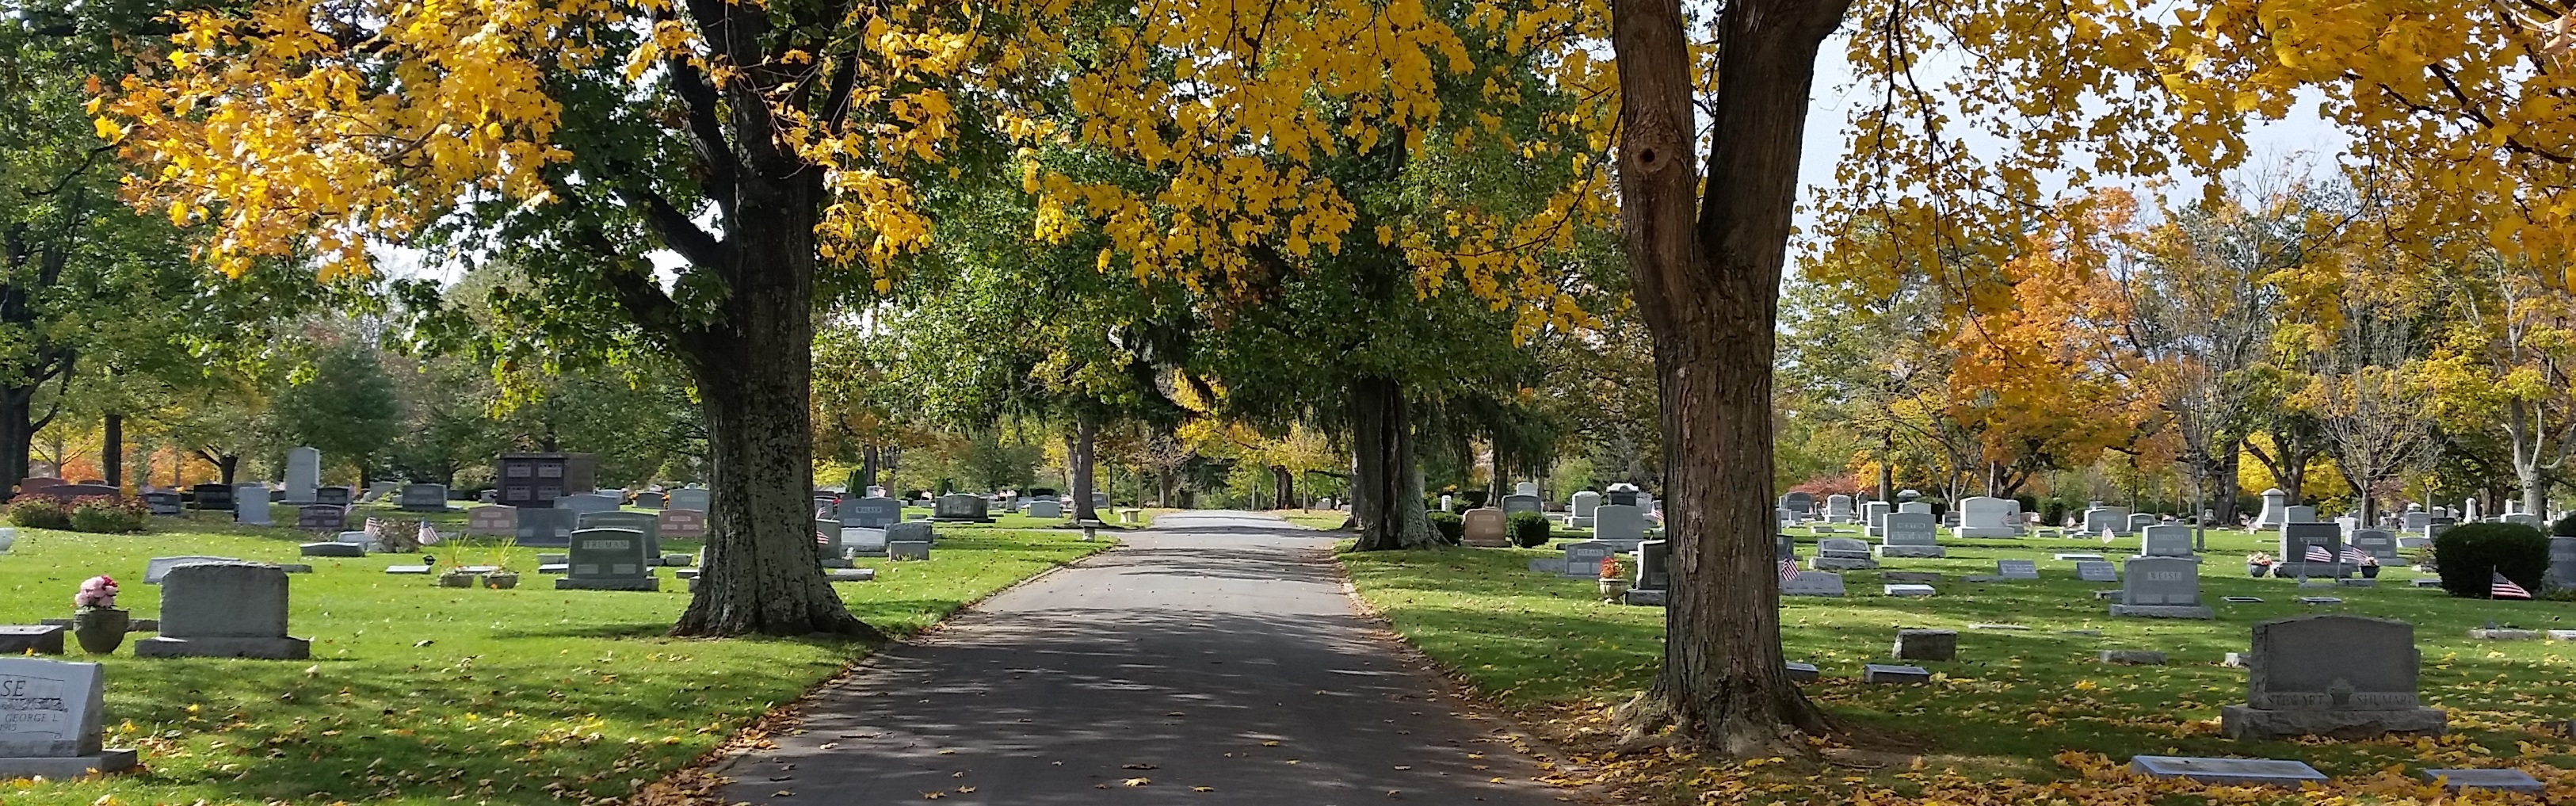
<point>100,630</point>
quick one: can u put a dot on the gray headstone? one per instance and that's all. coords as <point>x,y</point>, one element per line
<point>1522,503</point>
<point>1982,516</point>
<point>321,517</point>
<point>54,717</point>
<point>1938,645</point>
<point>2161,587</point>
<point>1619,523</point>
<point>424,498</point>
<point>2017,569</point>
<point>1039,509</point>
<point>689,498</point>
<point>649,500</point>
<point>158,567</point>
<point>876,513</point>
<point>2297,536</point>
<point>910,532</point>
<point>224,610</point>
<point>864,540</point>
<point>2096,571</point>
<point>2499,779</point>
<point>1651,557</point>
<point>1883,673</point>
<point>1583,560</point>
<point>960,507</point>
<point>1906,590</point>
<point>2165,540</point>
<point>333,496</point>
<point>645,523</point>
<point>2345,677</point>
<point>161,503</point>
<point>907,550</point>
<point>585,503</point>
<point>546,526</point>
<point>250,504</point>
<point>609,559</point>
<point>2228,771</point>
<point>2377,543</point>
<point>1813,583</point>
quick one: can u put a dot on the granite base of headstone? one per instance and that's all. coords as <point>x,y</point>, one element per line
<point>1650,597</point>
<point>907,550</point>
<point>844,575</point>
<point>54,714</point>
<point>224,610</point>
<point>1906,590</point>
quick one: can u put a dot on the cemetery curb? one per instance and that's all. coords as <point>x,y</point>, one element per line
<point>1470,703</point>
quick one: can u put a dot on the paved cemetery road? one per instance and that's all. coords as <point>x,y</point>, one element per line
<point>1216,650</point>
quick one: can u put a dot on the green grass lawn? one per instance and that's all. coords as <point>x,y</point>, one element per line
<point>1550,650</point>
<point>1312,518</point>
<point>421,694</point>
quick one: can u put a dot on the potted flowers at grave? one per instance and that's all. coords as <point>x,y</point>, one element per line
<point>1614,583</point>
<point>98,623</point>
<point>457,577</point>
<point>504,564</point>
<point>2369,567</point>
<point>2257,564</point>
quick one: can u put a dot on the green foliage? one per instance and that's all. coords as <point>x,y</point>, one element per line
<point>1527,529</point>
<point>2469,555</point>
<point>347,407</point>
<point>2565,527</point>
<point>1452,529</point>
<point>39,512</point>
<point>99,513</point>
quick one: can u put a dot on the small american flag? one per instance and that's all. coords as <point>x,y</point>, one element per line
<point>1788,570</point>
<point>2354,555</point>
<point>2318,554</point>
<point>375,527</point>
<point>2502,588</point>
<point>427,536</point>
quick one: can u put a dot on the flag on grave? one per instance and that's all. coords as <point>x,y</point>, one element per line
<point>1788,570</point>
<point>2353,554</point>
<point>2502,588</point>
<point>2319,554</point>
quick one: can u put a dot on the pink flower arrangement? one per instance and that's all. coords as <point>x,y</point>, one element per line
<point>98,591</point>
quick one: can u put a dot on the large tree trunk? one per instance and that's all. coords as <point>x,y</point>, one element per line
<point>1283,485</point>
<point>1386,486</point>
<point>111,453</point>
<point>1708,279</point>
<point>17,432</point>
<point>754,369</point>
<point>1086,436</point>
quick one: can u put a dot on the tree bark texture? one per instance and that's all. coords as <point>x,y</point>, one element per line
<point>1086,438</point>
<point>753,364</point>
<point>1386,486</point>
<point>1283,486</point>
<point>1707,270</point>
<point>111,454</point>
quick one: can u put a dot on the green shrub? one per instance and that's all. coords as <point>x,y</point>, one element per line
<point>1527,529</point>
<point>39,512</point>
<point>1452,529</point>
<point>99,513</point>
<point>2565,527</point>
<point>2469,555</point>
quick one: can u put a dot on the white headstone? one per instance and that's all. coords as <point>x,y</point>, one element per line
<point>2274,501</point>
<point>1988,517</point>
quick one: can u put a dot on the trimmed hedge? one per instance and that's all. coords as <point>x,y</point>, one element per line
<point>1452,529</point>
<point>2565,527</point>
<point>1527,530</point>
<point>2469,555</point>
<point>39,512</point>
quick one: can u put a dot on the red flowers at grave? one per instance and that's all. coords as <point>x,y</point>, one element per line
<point>1610,567</point>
